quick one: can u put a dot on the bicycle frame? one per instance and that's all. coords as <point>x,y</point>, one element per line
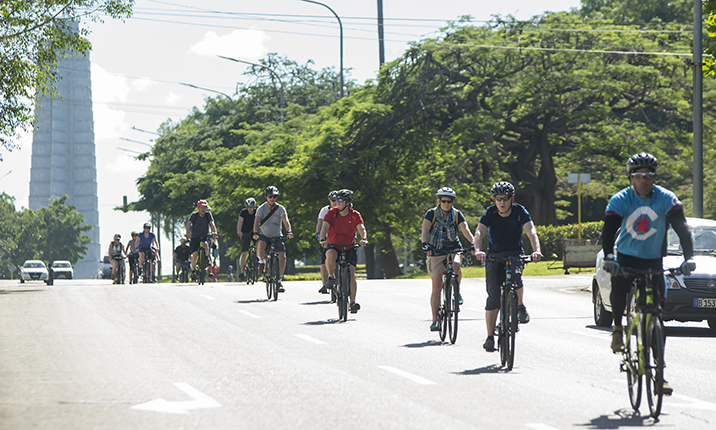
<point>271,268</point>
<point>343,284</point>
<point>450,306</point>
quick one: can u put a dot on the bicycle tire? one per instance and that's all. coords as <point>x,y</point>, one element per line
<point>447,321</point>
<point>502,329</point>
<point>344,291</point>
<point>146,270</point>
<point>267,278</point>
<point>442,310</point>
<point>275,268</point>
<point>631,354</point>
<point>455,308</point>
<point>201,262</point>
<point>251,268</point>
<point>654,359</point>
<point>511,329</point>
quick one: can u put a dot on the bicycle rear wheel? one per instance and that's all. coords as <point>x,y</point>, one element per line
<point>511,319</point>
<point>654,363</point>
<point>252,267</point>
<point>275,275</point>
<point>343,280</point>
<point>454,309</point>
<point>444,310</point>
<point>631,353</point>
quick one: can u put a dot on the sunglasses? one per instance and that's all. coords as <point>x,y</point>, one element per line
<point>502,199</point>
<point>642,175</point>
<point>271,197</point>
<point>341,200</point>
<point>446,201</point>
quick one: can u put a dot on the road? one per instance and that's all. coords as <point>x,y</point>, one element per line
<point>91,355</point>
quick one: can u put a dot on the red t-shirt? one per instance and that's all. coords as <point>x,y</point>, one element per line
<point>343,228</point>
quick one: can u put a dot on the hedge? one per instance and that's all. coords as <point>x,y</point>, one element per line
<point>551,237</point>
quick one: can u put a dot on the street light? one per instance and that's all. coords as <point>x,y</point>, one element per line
<point>340,24</point>
<point>213,91</point>
<point>267,68</point>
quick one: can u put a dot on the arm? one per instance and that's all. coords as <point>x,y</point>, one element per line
<point>480,232</point>
<point>188,229</point>
<point>324,234</point>
<point>612,222</point>
<point>213,228</point>
<point>466,232</point>
<point>287,223</point>
<point>678,222</point>
<point>319,224</point>
<point>239,225</point>
<point>364,238</point>
<point>257,221</point>
<point>531,232</point>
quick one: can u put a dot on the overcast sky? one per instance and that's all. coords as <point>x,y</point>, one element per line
<point>138,65</point>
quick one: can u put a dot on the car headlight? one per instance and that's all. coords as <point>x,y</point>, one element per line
<point>672,283</point>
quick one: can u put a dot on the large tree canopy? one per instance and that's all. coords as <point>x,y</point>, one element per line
<point>33,36</point>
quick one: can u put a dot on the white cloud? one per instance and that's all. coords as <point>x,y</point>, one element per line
<point>142,84</point>
<point>242,44</point>
<point>107,87</point>
<point>173,98</point>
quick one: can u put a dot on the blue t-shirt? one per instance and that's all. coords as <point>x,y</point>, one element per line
<point>146,242</point>
<point>643,220</point>
<point>505,233</point>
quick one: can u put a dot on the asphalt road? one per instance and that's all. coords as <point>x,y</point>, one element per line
<point>91,355</point>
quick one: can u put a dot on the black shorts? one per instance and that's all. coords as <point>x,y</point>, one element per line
<point>495,277</point>
<point>148,254</point>
<point>196,243</point>
<point>323,255</point>
<point>246,242</point>
<point>277,241</point>
<point>351,255</point>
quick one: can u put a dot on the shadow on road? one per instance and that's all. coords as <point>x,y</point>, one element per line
<point>252,301</point>
<point>596,327</point>
<point>20,291</point>
<point>322,302</point>
<point>624,418</point>
<point>322,322</point>
<point>424,344</point>
<point>491,369</point>
<point>690,332</point>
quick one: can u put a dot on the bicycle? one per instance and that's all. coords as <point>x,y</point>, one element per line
<point>147,266</point>
<point>184,269</point>
<point>202,261</point>
<point>272,270</point>
<point>342,290</point>
<point>133,267</point>
<point>118,277</point>
<point>450,307</point>
<point>643,353</point>
<point>252,266</point>
<point>508,326</point>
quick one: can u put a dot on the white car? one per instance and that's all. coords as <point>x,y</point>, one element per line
<point>33,270</point>
<point>688,298</point>
<point>62,269</point>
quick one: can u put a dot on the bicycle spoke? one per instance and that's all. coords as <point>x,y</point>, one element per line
<point>654,362</point>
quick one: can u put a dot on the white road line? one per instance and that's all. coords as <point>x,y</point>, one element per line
<point>207,297</point>
<point>198,400</point>
<point>310,339</point>
<point>249,314</point>
<point>540,426</point>
<point>414,378</point>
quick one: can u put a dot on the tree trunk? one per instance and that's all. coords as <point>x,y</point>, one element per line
<point>388,257</point>
<point>372,268</point>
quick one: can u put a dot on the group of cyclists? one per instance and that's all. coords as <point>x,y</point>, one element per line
<point>142,246</point>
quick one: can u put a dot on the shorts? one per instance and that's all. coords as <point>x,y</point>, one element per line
<point>246,241</point>
<point>196,243</point>
<point>133,259</point>
<point>495,277</point>
<point>277,241</point>
<point>323,255</point>
<point>436,264</point>
<point>148,253</point>
<point>351,255</point>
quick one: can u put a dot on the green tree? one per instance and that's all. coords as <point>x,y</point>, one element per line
<point>61,230</point>
<point>33,36</point>
<point>640,12</point>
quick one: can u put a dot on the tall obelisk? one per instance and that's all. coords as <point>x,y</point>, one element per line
<point>63,153</point>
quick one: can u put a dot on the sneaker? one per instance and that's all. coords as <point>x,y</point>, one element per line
<point>280,288</point>
<point>435,326</point>
<point>323,290</point>
<point>489,344</point>
<point>666,388</point>
<point>354,307</point>
<point>522,314</point>
<point>331,282</point>
<point>241,277</point>
<point>459,299</point>
<point>261,268</point>
<point>617,341</point>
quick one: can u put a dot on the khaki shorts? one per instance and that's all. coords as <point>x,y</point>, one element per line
<point>436,265</point>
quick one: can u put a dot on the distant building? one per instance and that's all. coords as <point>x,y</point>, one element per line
<point>63,153</point>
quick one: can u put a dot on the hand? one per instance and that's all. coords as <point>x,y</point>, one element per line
<point>255,236</point>
<point>481,256</point>
<point>687,267</point>
<point>324,244</point>
<point>318,236</point>
<point>536,256</point>
<point>290,235</point>
<point>427,247</point>
<point>214,235</point>
<point>610,264</point>
<point>363,243</point>
<point>241,234</point>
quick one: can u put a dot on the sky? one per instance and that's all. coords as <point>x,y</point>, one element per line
<point>138,67</point>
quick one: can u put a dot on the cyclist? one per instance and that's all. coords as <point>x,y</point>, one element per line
<point>644,211</point>
<point>504,221</point>
<point>197,230</point>
<point>181,254</point>
<point>339,227</point>
<point>147,239</point>
<point>440,234</point>
<point>319,224</point>
<point>267,227</point>
<point>244,227</point>
<point>131,251</point>
<point>115,248</point>
<point>230,274</point>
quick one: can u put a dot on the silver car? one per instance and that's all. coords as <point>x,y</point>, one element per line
<point>688,298</point>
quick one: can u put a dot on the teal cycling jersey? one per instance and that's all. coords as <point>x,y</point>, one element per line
<point>644,223</point>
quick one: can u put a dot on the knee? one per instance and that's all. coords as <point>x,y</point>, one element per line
<point>493,303</point>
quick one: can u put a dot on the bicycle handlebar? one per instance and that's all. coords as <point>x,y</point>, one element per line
<point>631,271</point>
<point>511,258</point>
<point>349,246</point>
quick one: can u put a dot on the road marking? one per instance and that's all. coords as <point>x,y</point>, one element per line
<point>200,401</point>
<point>414,378</point>
<point>693,403</point>
<point>310,339</point>
<point>249,314</point>
<point>207,297</point>
<point>540,426</point>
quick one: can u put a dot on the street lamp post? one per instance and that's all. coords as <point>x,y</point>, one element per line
<point>267,68</point>
<point>213,91</point>
<point>340,24</point>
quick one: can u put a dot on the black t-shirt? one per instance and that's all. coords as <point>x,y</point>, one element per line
<point>182,253</point>
<point>248,225</point>
<point>200,224</point>
<point>505,233</point>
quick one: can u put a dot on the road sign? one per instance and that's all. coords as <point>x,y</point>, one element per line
<point>583,178</point>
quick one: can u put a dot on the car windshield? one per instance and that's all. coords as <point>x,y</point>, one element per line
<point>704,238</point>
<point>61,265</point>
<point>33,265</point>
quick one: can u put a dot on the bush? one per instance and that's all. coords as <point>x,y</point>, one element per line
<point>551,237</point>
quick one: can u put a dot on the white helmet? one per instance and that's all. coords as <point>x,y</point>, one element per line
<point>446,192</point>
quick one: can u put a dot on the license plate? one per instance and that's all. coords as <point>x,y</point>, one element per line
<point>705,303</point>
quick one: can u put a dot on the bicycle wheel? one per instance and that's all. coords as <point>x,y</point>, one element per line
<point>631,352</point>
<point>343,292</point>
<point>251,267</point>
<point>502,329</point>
<point>511,318</point>
<point>146,271</point>
<point>455,308</point>
<point>275,269</point>
<point>267,278</point>
<point>444,310</point>
<point>654,363</point>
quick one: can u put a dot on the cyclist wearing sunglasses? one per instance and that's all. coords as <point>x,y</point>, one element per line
<point>439,236</point>
<point>644,212</point>
<point>267,227</point>
<point>504,221</point>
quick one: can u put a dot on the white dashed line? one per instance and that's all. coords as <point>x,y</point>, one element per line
<point>310,339</point>
<point>249,314</point>
<point>414,378</point>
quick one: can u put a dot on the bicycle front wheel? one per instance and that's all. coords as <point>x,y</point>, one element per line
<point>275,275</point>
<point>454,309</point>
<point>511,319</point>
<point>147,271</point>
<point>444,310</point>
<point>631,352</point>
<point>502,328</point>
<point>654,363</point>
<point>267,278</point>
<point>343,280</point>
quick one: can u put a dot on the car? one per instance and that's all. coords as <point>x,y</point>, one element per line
<point>62,269</point>
<point>688,298</point>
<point>105,271</point>
<point>33,270</point>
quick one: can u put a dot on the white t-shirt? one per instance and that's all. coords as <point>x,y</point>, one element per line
<point>323,212</point>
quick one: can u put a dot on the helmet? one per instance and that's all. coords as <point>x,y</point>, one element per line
<point>271,191</point>
<point>250,202</point>
<point>146,224</point>
<point>344,194</point>
<point>446,192</point>
<point>640,161</point>
<point>332,195</point>
<point>503,188</point>
<point>117,236</point>
<point>231,267</point>
<point>183,240</point>
<point>134,233</point>
<point>202,203</point>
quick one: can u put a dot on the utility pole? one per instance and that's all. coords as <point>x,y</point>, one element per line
<point>698,211</point>
<point>381,35</point>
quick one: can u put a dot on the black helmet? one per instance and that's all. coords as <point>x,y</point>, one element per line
<point>332,195</point>
<point>640,161</point>
<point>271,191</point>
<point>446,192</point>
<point>344,194</point>
<point>503,188</point>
